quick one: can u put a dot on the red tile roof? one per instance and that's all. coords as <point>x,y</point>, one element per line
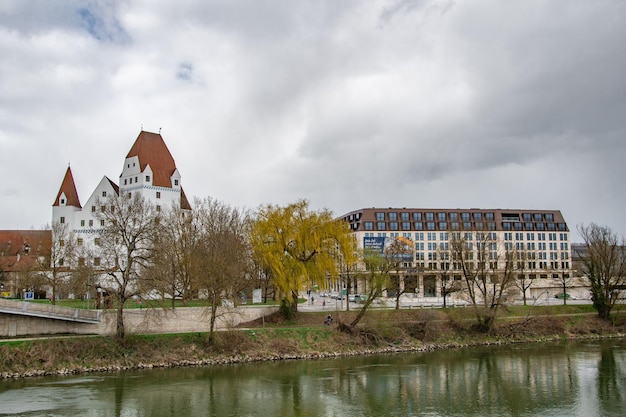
<point>151,150</point>
<point>114,185</point>
<point>13,242</point>
<point>69,188</point>
<point>184,203</point>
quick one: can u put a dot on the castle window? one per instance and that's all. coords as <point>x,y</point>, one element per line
<point>96,261</point>
<point>158,194</point>
<point>176,182</point>
<point>96,241</point>
<point>61,243</point>
<point>62,220</point>
<point>90,223</point>
<point>82,223</point>
<point>81,261</point>
<point>104,194</point>
<point>125,181</point>
<point>147,178</point>
<point>93,209</point>
<point>158,208</point>
<point>102,223</point>
<point>79,241</point>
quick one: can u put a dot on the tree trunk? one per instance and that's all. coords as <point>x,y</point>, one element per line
<point>294,304</point>
<point>119,326</point>
<point>54,294</point>
<point>212,321</point>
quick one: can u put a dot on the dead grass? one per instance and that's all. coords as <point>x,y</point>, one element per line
<point>305,335</point>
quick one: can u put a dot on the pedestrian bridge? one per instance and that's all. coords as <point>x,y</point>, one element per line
<point>48,311</point>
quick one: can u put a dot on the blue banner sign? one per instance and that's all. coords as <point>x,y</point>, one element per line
<point>374,243</point>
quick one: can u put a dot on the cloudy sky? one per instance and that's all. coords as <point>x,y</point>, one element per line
<point>349,104</point>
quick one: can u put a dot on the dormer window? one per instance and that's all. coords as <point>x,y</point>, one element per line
<point>104,194</point>
<point>176,182</point>
<point>62,201</point>
<point>147,178</point>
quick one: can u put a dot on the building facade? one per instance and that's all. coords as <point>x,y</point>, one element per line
<point>23,255</point>
<point>539,240</point>
<point>149,170</point>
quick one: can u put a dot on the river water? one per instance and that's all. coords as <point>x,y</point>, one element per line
<point>566,379</point>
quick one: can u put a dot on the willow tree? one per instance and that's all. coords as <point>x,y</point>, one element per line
<point>300,246</point>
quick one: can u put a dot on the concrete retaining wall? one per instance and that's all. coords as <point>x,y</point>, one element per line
<point>188,319</point>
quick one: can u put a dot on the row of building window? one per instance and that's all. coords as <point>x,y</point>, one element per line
<point>81,262</point>
<point>431,225</point>
<point>480,236</point>
<point>128,181</point>
<point>463,216</point>
<point>493,265</point>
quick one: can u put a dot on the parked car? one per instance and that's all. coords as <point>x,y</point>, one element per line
<point>352,298</point>
<point>561,295</point>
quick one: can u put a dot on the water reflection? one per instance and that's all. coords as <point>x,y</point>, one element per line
<point>555,380</point>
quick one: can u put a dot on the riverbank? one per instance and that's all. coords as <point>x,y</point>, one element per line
<point>273,339</point>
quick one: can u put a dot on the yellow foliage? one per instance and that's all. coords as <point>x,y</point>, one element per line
<point>300,247</point>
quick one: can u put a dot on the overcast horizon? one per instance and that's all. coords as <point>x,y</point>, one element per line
<point>410,103</point>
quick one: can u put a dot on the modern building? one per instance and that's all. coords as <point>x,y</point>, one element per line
<point>540,240</point>
<point>149,169</point>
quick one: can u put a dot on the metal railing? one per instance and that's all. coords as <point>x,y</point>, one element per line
<point>49,311</point>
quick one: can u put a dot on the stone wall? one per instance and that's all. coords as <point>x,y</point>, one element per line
<point>188,319</point>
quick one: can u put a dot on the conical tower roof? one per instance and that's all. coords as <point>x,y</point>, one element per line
<point>68,187</point>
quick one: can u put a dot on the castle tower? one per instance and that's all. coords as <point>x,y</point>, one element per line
<point>149,169</point>
<point>67,204</point>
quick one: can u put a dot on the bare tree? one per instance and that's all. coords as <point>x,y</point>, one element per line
<point>56,270</point>
<point>488,272</point>
<point>171,271</point>
<point>447,277</point>
<point>603,262</point>
<point>223,255</point>
<point>564,279</point>
<point>397,253</point>
<point>126,248</point>
<point>522,279</point>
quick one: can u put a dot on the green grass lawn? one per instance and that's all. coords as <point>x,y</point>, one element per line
<point>90,304</point>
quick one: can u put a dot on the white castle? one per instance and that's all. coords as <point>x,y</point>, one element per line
<point>149,169</point>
